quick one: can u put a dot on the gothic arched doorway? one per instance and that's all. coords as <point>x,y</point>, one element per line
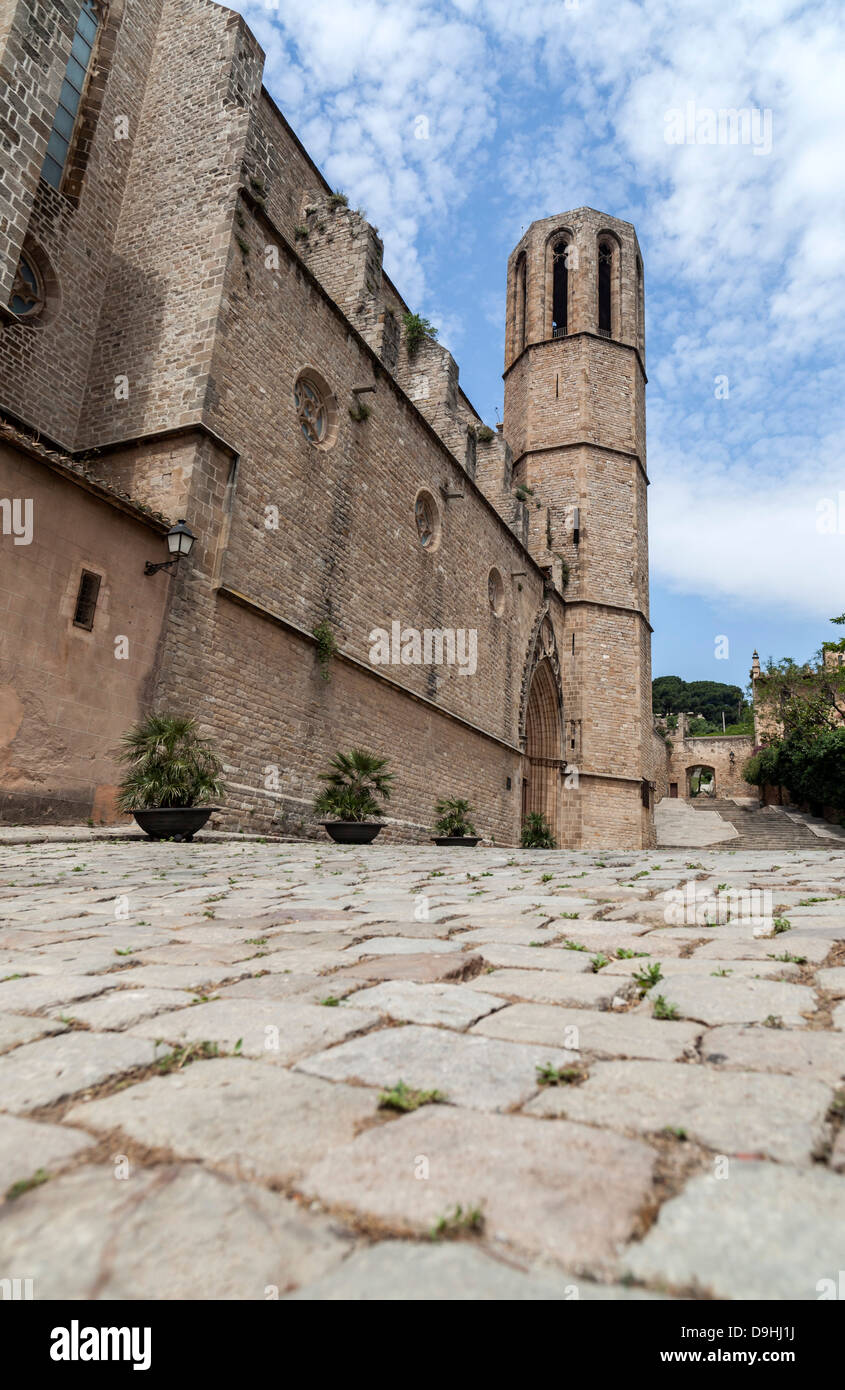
<point>541,769</point>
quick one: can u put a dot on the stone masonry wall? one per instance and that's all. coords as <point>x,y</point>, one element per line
<point>171,249</point>
<point>711,751</point>
<point>35,40</point>
<point>44,363</point>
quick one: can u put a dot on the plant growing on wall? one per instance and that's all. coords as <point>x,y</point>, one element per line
<point>453,817</point>
<point>417,328</point>
<point>356,785</point>
<point>326,646</point>
<point>484,434</point>
<point>169,764</point>
<point>338,199</point>
<point>537,833</point>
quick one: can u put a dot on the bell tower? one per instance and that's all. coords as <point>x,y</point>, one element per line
<point>575,422</point>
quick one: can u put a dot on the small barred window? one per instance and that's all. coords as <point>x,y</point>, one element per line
<point>86,600</point>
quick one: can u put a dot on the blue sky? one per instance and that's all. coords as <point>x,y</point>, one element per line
<point>528,110</point>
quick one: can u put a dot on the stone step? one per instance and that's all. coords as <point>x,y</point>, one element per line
<point>760,827</point>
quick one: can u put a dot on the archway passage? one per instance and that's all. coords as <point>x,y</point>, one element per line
<point>701,781</point>
<point>541,768</point>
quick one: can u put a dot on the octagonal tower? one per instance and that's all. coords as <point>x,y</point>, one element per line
<point>575,421</point>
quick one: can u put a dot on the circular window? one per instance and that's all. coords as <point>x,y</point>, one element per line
<point>28,290</point>
<point>316,409</point>
<point>496,592</point>
<point>427,517</point>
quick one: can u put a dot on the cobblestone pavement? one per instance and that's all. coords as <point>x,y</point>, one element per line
<point>636,1095</point>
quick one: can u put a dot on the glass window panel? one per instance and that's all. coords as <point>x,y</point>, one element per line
<point>52,172</point>
<point>75,74</point>
<point>87,27</point>
<point>81,51</point>
<point>63,123</point>
<point>58,147</point>
<point>69,98</point>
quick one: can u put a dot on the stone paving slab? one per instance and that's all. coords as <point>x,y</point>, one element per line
<point>74,958</point>
<point>121,1008</point>
<point>765,1232</point>
<point>808,1052</point>
<point>309,989</point>
<point>562,1191</point>
<point>186,977</point>
<point>27,1147</point>
<point>424,969</point>
<point>40,1073</point>
<point>550,987</point>
<point>833,981</point>
<point>740,946</point>
<point>536,958</point>
<point>243,1118</point>
<point>517,934</point>
<point>710,999</point>
<point>452,1006</point>
<point>191,953</point>
<point>36,992</point>
<point>17,1028</point>
<point>278,1032</point>
<point>479,1073</point>
<point>708,968</point>
<point>605,1034</point>
<point>308,960</point>
<point>88,1235</point>
<point>781,1117</point>
<point>396,1270</point>
<point>398,946</point>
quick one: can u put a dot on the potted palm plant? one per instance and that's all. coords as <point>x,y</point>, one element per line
<point>356,785</point>
<point>453,826</point>
<point>537,833</point>
<point>172,774</point>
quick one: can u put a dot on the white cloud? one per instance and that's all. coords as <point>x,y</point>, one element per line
<point>375,76</point>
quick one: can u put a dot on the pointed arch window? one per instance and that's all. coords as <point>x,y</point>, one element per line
<point>605,288</point>
<point>521,303</point>
<point>70,98</point>
<point>560,289</point>
<point>640,306</point>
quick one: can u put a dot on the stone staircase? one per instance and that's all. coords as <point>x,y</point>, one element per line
<point>766,827</point>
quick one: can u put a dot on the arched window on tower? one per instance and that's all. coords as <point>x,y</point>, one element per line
<point>560,289</point>
<point>520,305</point>
<point>605,288</point>
<point>640,307</point>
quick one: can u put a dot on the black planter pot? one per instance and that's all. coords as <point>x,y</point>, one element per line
<point>468,840</point>
<point>173,822</point>
<point>352,832</point>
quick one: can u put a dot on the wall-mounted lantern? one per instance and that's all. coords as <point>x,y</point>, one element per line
<point>180,541</point>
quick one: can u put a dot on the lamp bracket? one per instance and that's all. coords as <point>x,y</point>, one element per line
<point>150,568</point>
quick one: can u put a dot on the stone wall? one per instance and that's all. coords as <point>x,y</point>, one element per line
<point>726,754</point>
<point>44,363</point>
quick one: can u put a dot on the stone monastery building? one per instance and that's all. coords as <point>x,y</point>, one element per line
<point>192,325</point>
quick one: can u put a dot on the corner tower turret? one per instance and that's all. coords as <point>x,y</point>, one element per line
<point>575,422</point>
